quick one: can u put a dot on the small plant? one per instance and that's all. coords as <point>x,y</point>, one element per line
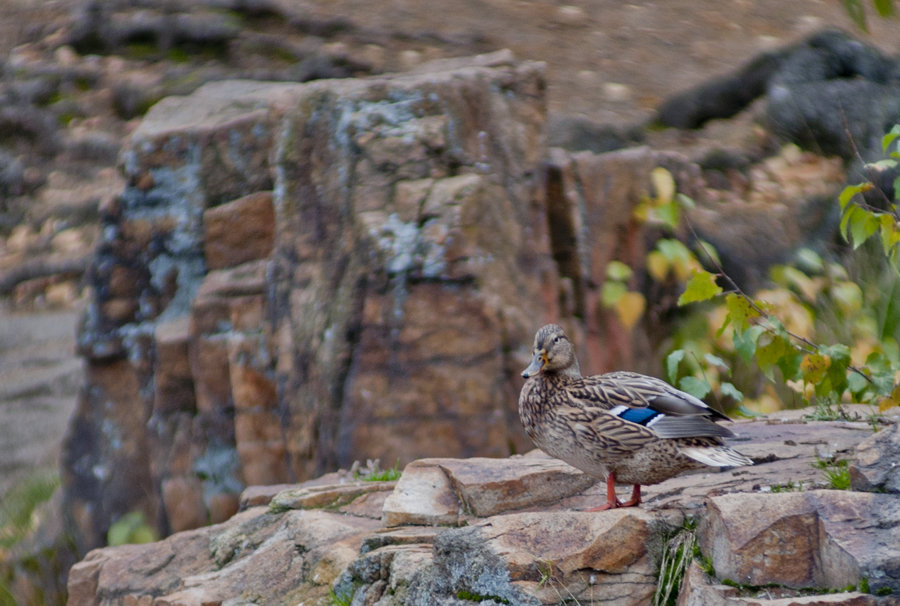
<point>18,507</point>
<point>462,594</point>
<point>372,472</point>
<point>342,598</point>
<point>788,487</point>
<point>837,472</point>
<point>131,528</point>
<point>680,550</point>
<point>549,579</point>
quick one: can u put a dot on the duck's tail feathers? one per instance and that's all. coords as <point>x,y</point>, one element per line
<point>715,456</point>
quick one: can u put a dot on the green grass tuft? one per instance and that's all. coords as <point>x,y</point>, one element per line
<point>18,507</point>
<point>462,594</point>
<point>372,472</point>
<point>680,550</point>
<point>837,472</point>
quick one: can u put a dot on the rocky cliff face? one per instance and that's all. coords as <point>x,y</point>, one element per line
<point>510,531</point>
<point>298,276</point>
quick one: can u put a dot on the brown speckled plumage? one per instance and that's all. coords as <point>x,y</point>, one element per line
<point>580,420</point>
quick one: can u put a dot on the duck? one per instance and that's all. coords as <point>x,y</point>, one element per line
<point>622,427</point>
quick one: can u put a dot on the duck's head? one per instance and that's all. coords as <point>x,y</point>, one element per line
<point>553,353</point>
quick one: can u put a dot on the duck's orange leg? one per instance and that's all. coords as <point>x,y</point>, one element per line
<point>612,501</point>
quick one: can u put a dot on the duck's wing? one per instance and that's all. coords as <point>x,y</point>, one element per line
<point>597,430</point>
<point>649,402</point>
<point>643,391</point>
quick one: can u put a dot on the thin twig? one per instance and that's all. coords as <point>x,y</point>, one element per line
<point>810,346</point>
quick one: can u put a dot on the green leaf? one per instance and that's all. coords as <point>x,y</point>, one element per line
<point>707,250</point>
<point>848,297</point>
<point>673,250</point>
<point>862,225</point>
<point>616,270</point>
<point>745,341</point>
<point>130,528</point>
<point>725,324</point>
<point>837,372</point>
<point>810,261</point>
<point>894,258</point>
<point>611,292</point>
<point>889,138</point>
<point>881,372</point>
<point>746,412</point>
<point>728,389</point>
<point>850,191</point>
<point>858,385</point>
<point>789,365</point>
<point>669,214</point>
<point>714,360</point>
<point>847,217</point>
<point>890,234</point>
<point>770,349</point>
<point>698,388</point>
<point>685,201</point>
<point>700,287</point>
<point>740,311</point>
<point>672,362</point>
<point>881,165</point>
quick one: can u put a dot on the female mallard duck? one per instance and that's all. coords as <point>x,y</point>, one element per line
<point>622,426</point>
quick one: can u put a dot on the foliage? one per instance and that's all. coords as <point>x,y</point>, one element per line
<point>131,528</point>
<point>372,472</point>
<point>18,508</point>
<point>857,11</point>
<point>344,598</point>
<point>836,471</point>
<point>824,333</point>
<point>462,594</point>
<point>680,550</point>
<point>789,486</point>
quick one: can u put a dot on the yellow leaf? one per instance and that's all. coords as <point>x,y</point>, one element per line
<point>684,267</point>
<point>663,184</point>
<point>891,400</point>
<point>814,367</point>
<point>657,265</point>
<point>630,307</point>
<point>641,212</point>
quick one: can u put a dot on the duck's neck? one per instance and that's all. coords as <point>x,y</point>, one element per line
<point>570,372</point>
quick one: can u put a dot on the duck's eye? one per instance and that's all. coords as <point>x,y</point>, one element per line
<point>557,340</point>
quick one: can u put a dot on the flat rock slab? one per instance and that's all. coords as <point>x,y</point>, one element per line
<point>439,491</point>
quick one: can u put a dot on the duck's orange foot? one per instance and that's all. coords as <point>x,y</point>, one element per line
<point>612,501</point>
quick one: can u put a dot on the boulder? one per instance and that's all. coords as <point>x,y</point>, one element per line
<point>875,467</point>
<point>830,93</point>
<point>821,538</point>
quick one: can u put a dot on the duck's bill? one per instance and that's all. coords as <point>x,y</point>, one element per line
<point>537,363</point>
